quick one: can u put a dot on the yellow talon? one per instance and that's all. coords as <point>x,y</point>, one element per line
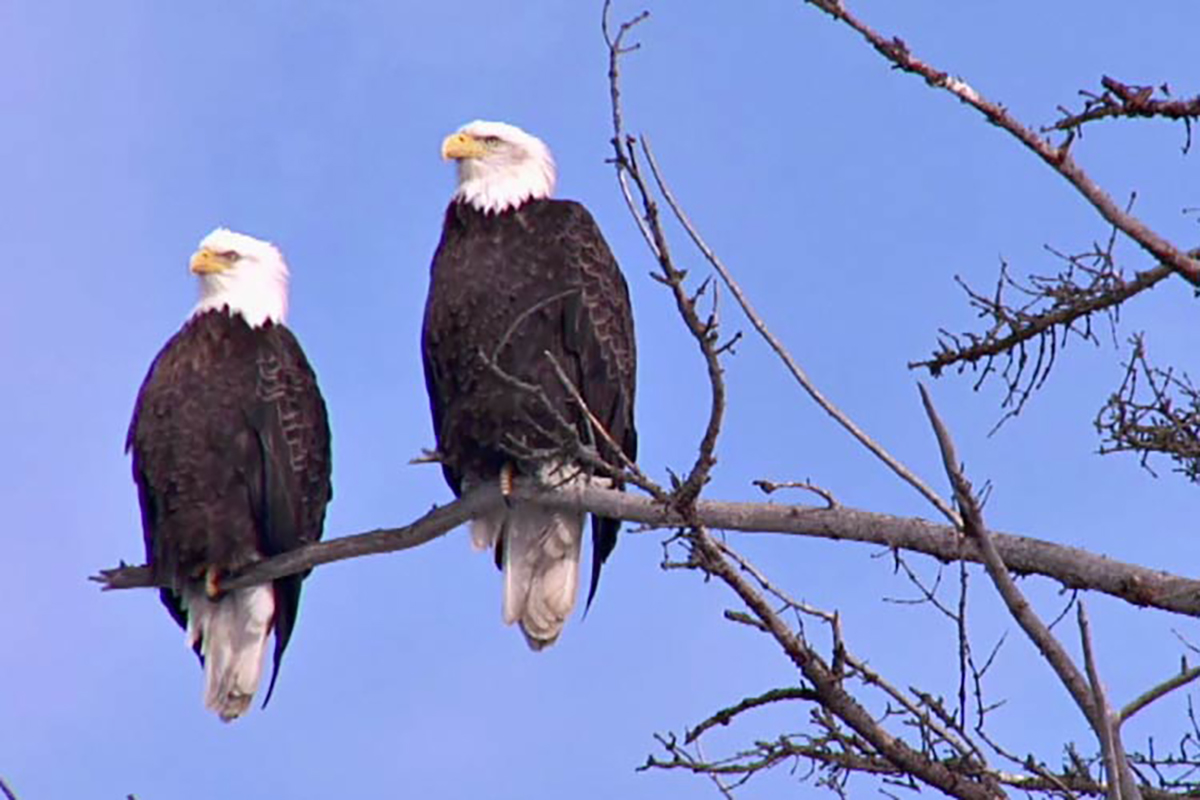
<point>211,587</point>
<point>506,479</point>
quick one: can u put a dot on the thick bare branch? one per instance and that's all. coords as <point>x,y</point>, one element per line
<point>1070,566</point>
<point>437,522</point>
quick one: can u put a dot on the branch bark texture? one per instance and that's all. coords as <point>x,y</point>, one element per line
<point>1070,566</point>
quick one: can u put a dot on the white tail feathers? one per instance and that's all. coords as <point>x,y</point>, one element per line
<point>232,632</point>
<point>540,555</point>
<point>541,569</point>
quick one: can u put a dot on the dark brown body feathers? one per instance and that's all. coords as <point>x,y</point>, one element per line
<point>231,456</point>
<point>515,285</point>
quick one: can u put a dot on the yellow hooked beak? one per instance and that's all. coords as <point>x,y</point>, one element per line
<point>462,145</point>
<point>207,262</point>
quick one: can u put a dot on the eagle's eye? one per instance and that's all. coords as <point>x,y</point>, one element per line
<point>229,255</point>
<point>490,140</point>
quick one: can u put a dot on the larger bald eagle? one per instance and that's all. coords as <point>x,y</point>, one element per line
<point>519,282</point>
<point>231,458</point>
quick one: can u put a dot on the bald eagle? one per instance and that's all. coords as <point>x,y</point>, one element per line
<point>521,283</point>
<point>231,459</point>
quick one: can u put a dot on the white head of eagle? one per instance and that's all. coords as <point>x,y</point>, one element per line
<point>500,166</point>
<point>247,275</point>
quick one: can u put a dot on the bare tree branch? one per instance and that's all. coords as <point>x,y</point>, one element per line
<point>1070,566</point>
<point>828,685</point>
<point>1121,785</point>
<point>793,367</point>
<point>1057,158</point>
<point>726,715</point>
<point>930,745</point>
<point>1184,677</point>
<point>1018,606</point>
<point>440,520</point>
<point>1087,695</point>
<point>1155,411</point>
<point>1122,100</point>
<point>768,753</point>
<point>1013,327</point>
<point>646,213</point>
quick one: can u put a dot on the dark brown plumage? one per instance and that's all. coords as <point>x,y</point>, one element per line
<point>231,458</point>
<point>512,286</point>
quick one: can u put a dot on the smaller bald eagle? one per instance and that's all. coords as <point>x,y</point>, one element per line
<point>521,283</point>
<point>231,459</point>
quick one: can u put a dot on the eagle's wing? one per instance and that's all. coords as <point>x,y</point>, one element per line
<point>292,487</point>
<point>599,335</point>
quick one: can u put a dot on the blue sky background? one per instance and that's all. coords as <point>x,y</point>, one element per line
<point>845,197</point>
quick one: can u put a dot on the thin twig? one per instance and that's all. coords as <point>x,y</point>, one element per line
<point>957,739</point>
<point>626,463</point>
<point>1122,100</point>
<point>1161,690</point>
<point>770,487</point>
<point>616,49</point>
<point>726,715</point>
<point>801,377</point>
<point>1105,730</point>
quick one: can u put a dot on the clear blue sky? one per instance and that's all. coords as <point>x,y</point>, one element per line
<point>844,195</point>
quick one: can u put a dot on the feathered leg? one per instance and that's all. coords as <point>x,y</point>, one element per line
<point>232,632</point>
<point>485,530</point>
